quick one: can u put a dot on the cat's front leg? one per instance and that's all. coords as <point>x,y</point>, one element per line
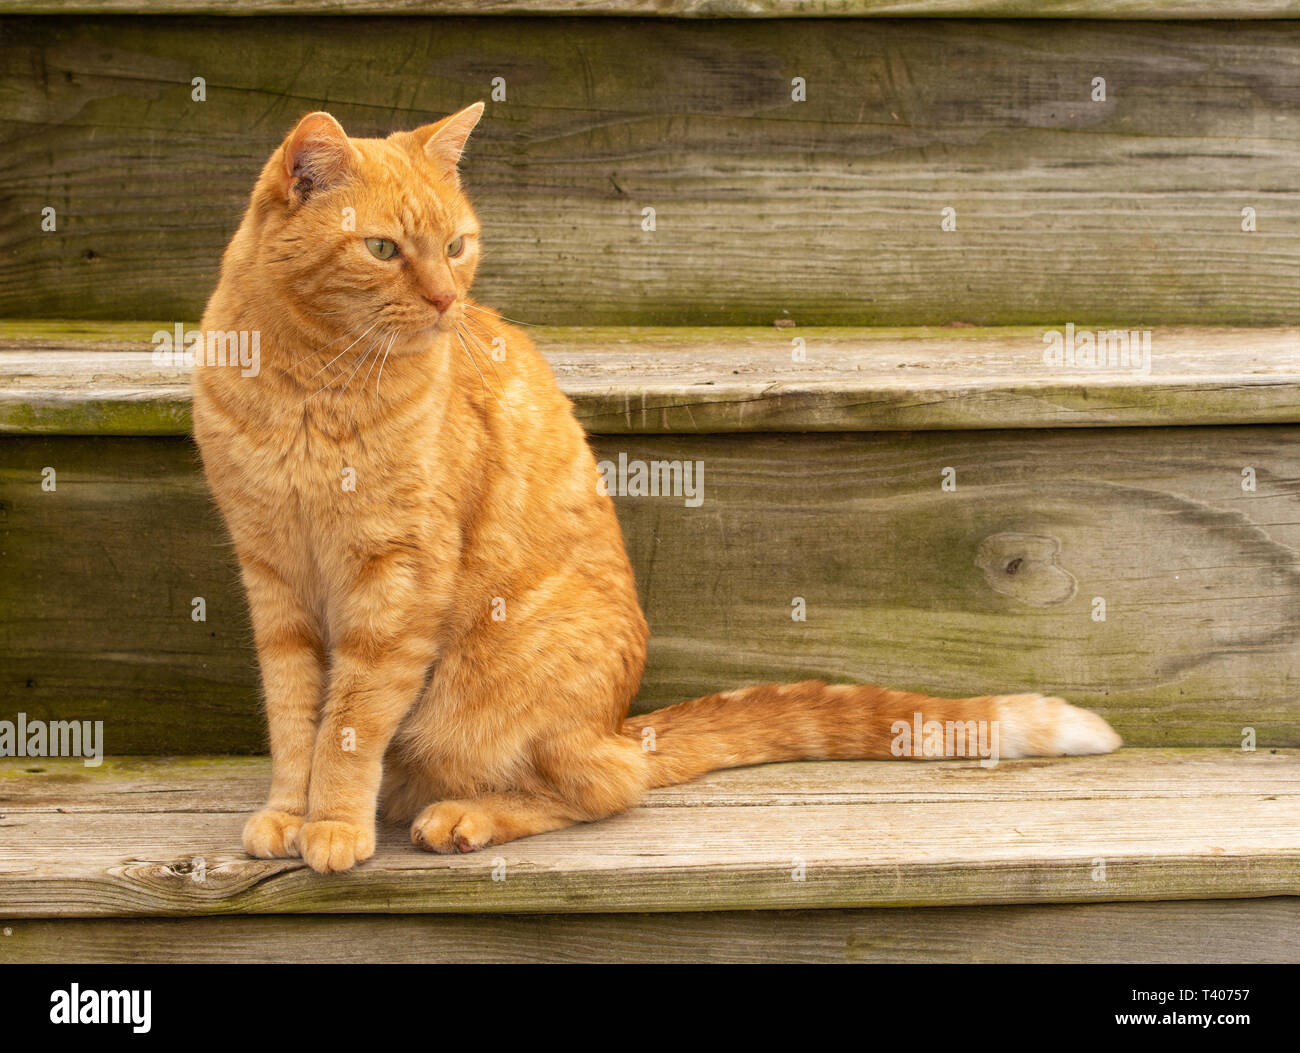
<point>291,656</point>
<point>374,683</point>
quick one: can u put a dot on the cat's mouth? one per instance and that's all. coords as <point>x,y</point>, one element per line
<point>417,337</point>
<point>419,331</point>
<point>442,324</point>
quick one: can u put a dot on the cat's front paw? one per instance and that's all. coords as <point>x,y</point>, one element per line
<point>329,845</point>
<point>270,834</point>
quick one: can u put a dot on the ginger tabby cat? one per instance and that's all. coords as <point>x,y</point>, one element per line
<point>388,683</point>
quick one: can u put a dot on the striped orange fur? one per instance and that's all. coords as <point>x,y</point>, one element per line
<point>445,617</point>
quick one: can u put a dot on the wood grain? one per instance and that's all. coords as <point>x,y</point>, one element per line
<point>67,378</point>
<point>906,584</point>
<point>1126,212</point>
<point>1207,841</point>
<point>1218,931</point>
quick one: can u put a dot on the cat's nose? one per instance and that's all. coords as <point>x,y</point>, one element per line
<point>440,298</point>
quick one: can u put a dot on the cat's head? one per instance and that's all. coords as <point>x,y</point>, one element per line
<point>358,233</point>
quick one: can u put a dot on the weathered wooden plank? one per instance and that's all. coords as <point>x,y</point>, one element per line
<point>95,379</point>
<point>1200,843</point>
<point>238,784</point>
<point>904,582</point>
<point>1209,931</point>
<point>1118,9</point>
<point>1124,212</point>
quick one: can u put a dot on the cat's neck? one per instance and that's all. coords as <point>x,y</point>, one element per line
<point>373,377</point>
<point>344,380</point>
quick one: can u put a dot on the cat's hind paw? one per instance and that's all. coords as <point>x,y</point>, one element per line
<point>329,846</point>
<point>452,826</point>
<point>269,834</point>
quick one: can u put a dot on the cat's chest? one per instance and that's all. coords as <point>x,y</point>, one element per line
<point>323,500</point>
<point>327,475</point>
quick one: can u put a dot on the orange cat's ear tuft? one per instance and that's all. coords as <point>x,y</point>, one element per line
<point>444,141</point>
<point>316,156</point>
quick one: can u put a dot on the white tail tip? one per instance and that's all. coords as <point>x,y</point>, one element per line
<point>1036,726</point>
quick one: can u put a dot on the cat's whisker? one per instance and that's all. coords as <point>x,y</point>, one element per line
<point>330,363</point>
<point>316,351</point>
<point>337,357</point>
<point>474,338</point>
<point>361,361</point>
<point>396,334</point>
<point>482,378</point>
<point>477,339</point>
<point>330,383</point>
<point>361,391</point>
<point>498,314</point>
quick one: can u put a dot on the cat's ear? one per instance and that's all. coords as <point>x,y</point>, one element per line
<point>316,156</point>
<point>444,141</point>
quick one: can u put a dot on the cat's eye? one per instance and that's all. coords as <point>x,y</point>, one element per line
<point>381,248</point>
<point>455,247</point>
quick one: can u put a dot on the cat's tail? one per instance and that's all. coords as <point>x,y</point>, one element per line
<point>816,721</point>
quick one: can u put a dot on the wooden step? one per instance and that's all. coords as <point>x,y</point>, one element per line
<point>158,838</point>
<point>99,378</point>
<point>1128,211</point>
<point>955,592</point>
